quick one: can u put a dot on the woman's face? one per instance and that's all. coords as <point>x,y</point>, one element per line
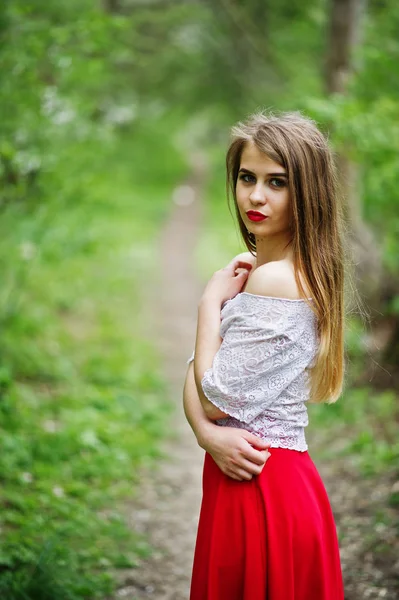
<point>262,187</point>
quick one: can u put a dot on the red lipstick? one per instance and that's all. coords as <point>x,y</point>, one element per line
<point>254,215</point>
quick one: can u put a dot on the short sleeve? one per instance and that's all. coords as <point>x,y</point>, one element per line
<point>191,358</point>
<point>260,356</point>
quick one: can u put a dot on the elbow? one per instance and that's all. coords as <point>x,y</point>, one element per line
<point>213,412</point>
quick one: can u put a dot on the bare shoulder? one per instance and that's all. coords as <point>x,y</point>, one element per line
<point>276,279</point>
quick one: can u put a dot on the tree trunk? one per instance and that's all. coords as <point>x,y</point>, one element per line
<point>376,287</point>
<point>112,6</point>
<point>241,51</point>
<point>344,34</point>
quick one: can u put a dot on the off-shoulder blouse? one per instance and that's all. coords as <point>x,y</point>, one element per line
<point>259,374</point>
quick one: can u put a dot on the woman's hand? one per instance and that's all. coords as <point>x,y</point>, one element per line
<point>237,452</point>
<point>226,283</point>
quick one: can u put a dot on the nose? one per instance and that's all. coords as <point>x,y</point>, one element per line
<point>258,195</point>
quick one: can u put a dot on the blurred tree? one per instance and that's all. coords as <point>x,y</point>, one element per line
<point>112,6</point>
<point>378,285</point>
<point>90,86</point>
<point>70,70</point>
<point>345,23</point>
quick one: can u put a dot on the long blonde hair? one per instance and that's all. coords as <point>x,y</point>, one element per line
<point>294,142</point>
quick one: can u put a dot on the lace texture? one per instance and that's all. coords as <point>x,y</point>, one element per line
<point>258,376</point>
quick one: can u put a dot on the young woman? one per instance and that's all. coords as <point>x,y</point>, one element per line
<point>269,339</point>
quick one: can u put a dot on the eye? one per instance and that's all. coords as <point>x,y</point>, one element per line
<point>278,183</point>
<point>247,178</point>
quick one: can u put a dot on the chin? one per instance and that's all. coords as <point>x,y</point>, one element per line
<point>257,228</point>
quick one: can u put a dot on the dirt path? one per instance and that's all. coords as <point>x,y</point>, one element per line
<point>168,505</point>
<point>167,508</point>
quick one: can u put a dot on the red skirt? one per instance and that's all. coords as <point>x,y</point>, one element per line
<point>271,538</point>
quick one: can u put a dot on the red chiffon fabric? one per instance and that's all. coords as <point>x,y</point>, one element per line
<point>271,538</point>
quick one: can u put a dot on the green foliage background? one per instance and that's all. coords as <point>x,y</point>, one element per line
<point>95,99</point>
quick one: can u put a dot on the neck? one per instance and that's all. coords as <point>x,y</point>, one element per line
<point>269,249</point>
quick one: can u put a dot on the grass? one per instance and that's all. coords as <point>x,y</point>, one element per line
<point>82,401</point>
<point>363,427</point>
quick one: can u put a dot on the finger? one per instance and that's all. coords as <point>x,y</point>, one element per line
<point>242,275</point>
<point>245,475</point>
<point>232,475</point>
<point>229,472</point>
<point>255,440</point>
<point>258,457</point>
<point>241,271</point>
<point>242,264</point>
<point>250,467</point>
<point>239,264</point>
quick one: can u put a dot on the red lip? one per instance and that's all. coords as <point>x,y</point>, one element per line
<point>255,216</point>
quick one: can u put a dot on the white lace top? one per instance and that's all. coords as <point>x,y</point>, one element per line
<point>259,375</point>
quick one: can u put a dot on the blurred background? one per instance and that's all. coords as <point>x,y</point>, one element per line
<point>107,107</point>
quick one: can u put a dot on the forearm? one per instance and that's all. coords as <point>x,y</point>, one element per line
<point>195,414</point>
<point>208,337</point>
<point>208,342</point>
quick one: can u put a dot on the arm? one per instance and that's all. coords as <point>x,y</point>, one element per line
<point>261,354</point>
<point>195,414</point>
<point>207,344</point>
<point>224,284</point>
<point>237,452</point>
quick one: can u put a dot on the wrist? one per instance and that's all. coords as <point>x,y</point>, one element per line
<point>203,433</point>
<point>209,301</point>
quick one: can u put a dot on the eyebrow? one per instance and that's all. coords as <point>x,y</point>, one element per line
<point>281,174</point>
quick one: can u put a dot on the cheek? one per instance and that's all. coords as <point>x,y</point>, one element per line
<point>282,206</point>
<point>239,195</point>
